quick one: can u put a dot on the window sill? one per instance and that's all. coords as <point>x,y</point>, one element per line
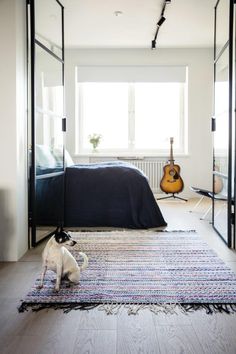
<point>135,156</point>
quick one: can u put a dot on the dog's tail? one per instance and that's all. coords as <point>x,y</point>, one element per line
<point>85,263</point>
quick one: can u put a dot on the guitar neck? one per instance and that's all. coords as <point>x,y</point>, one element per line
<point>171,160</point>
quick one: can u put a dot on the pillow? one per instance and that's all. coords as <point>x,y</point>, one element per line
<point>57,153</point>
<point>44,157</point>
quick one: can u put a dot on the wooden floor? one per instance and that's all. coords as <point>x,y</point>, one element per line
<point>51,331</point>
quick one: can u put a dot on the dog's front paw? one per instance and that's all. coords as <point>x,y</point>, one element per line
<point>56,289</point>
<point>40,286</point>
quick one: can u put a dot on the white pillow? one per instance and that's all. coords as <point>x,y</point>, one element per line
<point>68,160</point>
<point>44,157</point>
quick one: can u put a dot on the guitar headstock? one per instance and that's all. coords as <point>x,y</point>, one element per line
<point>171,140</point>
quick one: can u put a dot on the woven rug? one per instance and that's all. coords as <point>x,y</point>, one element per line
<point>139,269</point>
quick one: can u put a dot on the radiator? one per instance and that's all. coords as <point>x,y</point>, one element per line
<point>152,169</point>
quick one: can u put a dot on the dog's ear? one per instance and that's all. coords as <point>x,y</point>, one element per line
<point>61,229</point>
<point>58,238</point>
<point>57,229</point>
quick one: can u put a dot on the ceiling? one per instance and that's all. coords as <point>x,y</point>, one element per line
<point>93,24</point>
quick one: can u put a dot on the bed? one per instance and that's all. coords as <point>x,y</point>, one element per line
<point>113,194</point>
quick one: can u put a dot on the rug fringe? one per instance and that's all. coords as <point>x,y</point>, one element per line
<point>110,309</point>
<point>66,307</point>
<point>210,308</point>
<point>132,309</point>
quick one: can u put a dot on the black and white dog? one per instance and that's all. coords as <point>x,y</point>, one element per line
<point>57,258</point>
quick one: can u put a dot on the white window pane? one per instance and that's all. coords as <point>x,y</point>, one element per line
<point>221,135</point>
<point>221,97</point>
<point>105,112</point>
<point>52,99</point>
<point>157,115</point>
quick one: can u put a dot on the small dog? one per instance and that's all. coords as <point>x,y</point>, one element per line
<point>57,258</point>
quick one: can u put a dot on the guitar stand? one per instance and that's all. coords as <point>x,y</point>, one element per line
<point>172,196</point>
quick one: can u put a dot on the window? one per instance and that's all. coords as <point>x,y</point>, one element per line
<point>132,118</point>
<point>158,113</point>
<point>104,110</point>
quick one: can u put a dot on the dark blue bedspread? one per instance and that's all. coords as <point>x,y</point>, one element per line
<point>113,194</point>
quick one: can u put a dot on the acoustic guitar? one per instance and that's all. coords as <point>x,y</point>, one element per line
<point>171,181</point>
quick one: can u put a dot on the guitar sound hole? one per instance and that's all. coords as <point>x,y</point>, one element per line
<point>172,172</point>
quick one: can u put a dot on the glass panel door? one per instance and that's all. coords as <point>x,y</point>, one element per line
<point>221,144</point>
<point>47,117</point>
<point>222,164</point>
<point>48,25</point>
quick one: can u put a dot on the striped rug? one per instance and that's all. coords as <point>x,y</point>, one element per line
<point>142,268</point>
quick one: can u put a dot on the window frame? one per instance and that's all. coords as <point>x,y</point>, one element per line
<point>131,151</point>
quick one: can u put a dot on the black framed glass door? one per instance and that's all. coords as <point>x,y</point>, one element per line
<point>223,159</point>
<point>47,123</point>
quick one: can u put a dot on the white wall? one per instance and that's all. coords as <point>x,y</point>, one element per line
<point>13,147</point>
<point>196,167</point>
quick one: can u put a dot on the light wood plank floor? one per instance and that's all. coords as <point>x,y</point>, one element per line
<point>51,331</point>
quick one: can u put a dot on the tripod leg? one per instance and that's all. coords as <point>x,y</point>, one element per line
<point>170,196</point>
<point>174,196</point>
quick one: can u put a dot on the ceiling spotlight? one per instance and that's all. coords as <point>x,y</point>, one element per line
<point>118,13</point>
<point>160,22</point>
